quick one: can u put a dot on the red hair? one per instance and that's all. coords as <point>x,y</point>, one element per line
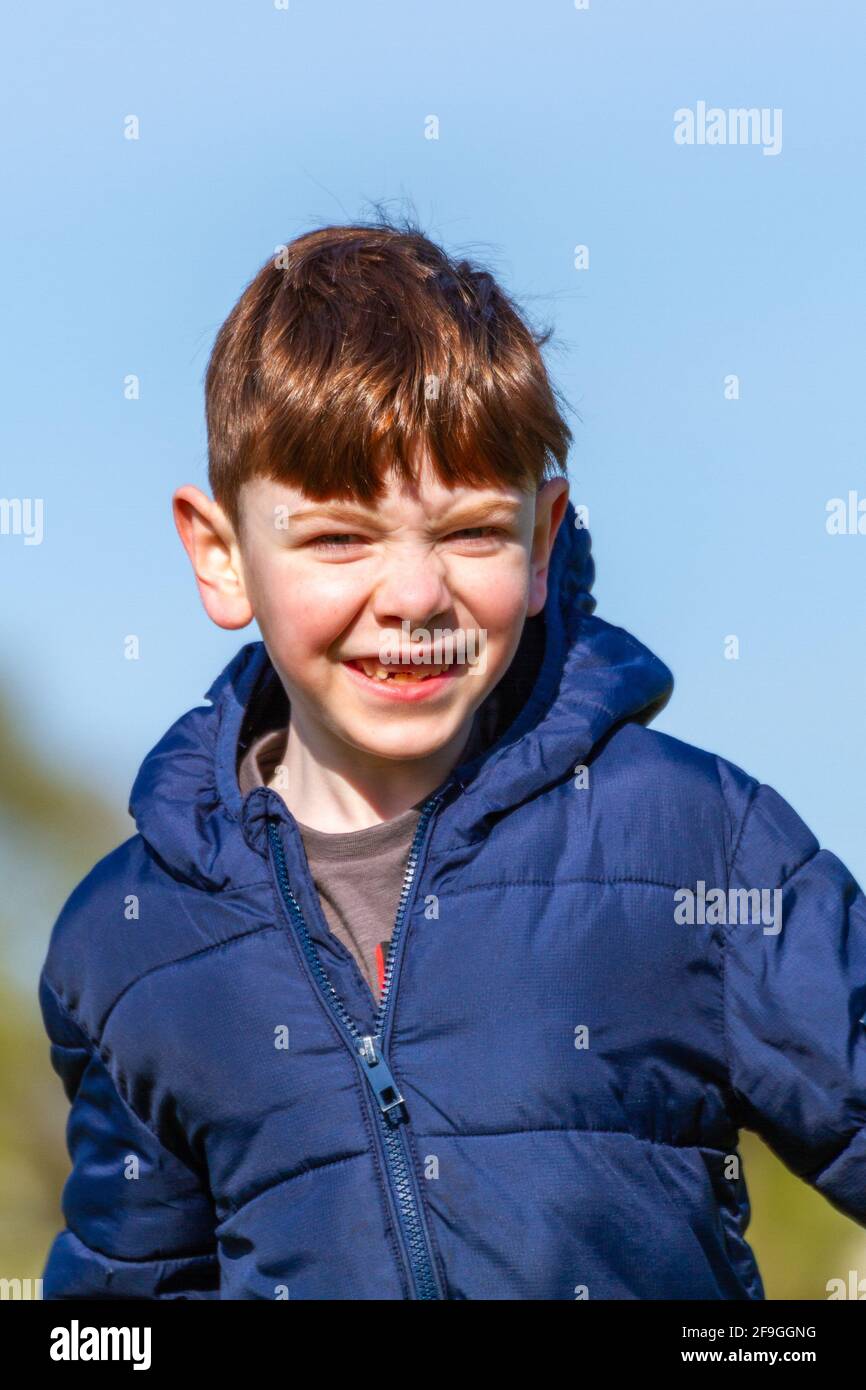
<point>357,344</point>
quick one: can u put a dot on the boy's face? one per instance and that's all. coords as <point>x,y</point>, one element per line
<point>341,591</point>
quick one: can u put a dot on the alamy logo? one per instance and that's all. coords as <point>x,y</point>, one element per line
<point>738,906</point>
<point>738,125</point>
<point>846,518</point>
<point>23,516</point>
<point>20,1289</point>
<point>75,1343</point>
<point>855,1287</point>
<point>443,646</point>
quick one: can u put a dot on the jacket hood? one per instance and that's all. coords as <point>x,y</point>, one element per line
<point>572,680</point>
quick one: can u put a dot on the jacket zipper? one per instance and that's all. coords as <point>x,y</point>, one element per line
<point>390,1106</point>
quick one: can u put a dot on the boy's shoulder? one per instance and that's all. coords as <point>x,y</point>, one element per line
<point>690,795</point>
<point>661,756</point>
<point>127,917</point>
<point>681,779</point>
<point>95,924</point>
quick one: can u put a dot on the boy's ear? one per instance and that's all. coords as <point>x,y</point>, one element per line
<point>210,542</point>
<point>551,501</point>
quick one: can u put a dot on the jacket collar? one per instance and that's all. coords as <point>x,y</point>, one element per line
<point>593,676</point>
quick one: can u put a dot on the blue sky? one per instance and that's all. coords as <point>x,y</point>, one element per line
<point>555,129</point>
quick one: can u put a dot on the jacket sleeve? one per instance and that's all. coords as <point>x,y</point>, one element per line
<point>139,1222</point>
<point>795,998</point>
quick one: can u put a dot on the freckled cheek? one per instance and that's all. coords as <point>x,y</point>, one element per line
<point>498,602</point>
<point>307,616</point>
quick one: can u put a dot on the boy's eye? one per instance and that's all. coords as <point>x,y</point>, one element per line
<point>342,540</point>
<point>337,541</point>
<point>477,533</point>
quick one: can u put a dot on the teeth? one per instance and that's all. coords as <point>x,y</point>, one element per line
<point>401,674</point>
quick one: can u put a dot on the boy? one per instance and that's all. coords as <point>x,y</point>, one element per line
<point>431,972</point>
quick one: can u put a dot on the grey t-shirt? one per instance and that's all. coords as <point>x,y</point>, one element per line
<point>358,873</point>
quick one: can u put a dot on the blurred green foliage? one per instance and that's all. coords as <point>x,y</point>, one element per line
<point>799,1239</point>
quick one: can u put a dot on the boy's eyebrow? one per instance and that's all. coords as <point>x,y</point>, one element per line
<point>487,507</point>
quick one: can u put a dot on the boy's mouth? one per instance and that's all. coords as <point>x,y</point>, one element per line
<point>400,673</point>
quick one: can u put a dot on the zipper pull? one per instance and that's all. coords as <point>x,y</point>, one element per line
<point>378,1074</point>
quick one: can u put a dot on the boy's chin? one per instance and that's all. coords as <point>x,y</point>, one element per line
<point>401,745</point>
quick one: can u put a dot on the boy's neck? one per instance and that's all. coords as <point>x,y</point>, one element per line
<point>330,786</point>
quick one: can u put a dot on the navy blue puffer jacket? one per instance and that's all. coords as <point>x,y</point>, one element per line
<point>547,1104</point>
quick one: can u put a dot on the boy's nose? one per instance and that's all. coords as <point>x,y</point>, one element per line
<point>415,590</point>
